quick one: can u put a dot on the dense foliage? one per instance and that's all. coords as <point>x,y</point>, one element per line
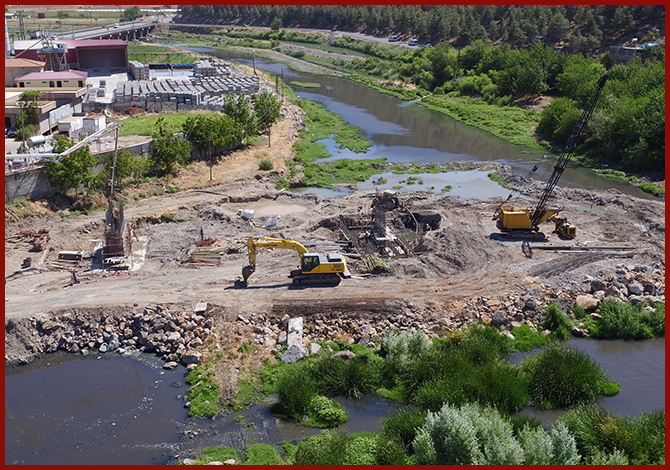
<point>72,170</point>
<point>583,27</point>
<point>603,437</point>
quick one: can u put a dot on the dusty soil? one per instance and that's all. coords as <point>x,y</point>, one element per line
<point>456,263</point>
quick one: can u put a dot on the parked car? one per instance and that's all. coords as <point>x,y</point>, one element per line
<point>393,38</point>
<point>413,42</point>
<point>429,45</point>
<point>11,132</point>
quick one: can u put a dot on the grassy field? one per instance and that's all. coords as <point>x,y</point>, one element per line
<point>146,125</point>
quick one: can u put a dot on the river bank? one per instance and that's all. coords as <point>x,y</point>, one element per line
<point>515,124</point>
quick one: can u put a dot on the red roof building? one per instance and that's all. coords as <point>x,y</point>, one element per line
<point>81,53</point>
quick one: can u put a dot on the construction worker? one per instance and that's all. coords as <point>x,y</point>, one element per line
<point>74,277</point>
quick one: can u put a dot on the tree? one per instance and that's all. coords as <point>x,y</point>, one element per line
<point>28,119</point>
<point>276,24</point>
<point>168,150</point>
<point>131,14</point>
<point>127,165</point>
<point>201,132</point>
<point>266,109</point>
<point>237,107</point>
<point>72,170</point>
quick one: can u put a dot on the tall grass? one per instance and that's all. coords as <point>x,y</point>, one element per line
<point>624,321</point>
<point>557,322</point>
<point>295,389</point>
<point>560,377</point>
<point>600,433</point>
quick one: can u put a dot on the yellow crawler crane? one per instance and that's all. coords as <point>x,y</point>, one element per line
<point>315,268</point>
<point>524,223</point>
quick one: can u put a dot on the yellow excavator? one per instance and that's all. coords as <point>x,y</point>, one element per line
<point>315,269</point>
<point>524,223</point>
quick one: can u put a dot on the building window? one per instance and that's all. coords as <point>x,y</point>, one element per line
<point>51,83</point>
<point>81,83</point>
<point>59,84</point>
<point>43,82</point>
<point>22,84</point>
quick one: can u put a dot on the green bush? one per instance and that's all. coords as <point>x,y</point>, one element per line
<point>560,377</point>
<point>391,452</point>
<point>353,377</point>
<point>601,435</point>
<point>624,321</point>
<point>265,165</point>
<point>295,389</point>
<point>557,322</point>
<point>261,454</point>
<point>526,339</point>
<point>216,454</point>
<point>467,435</point>
<point>361,449</point>
<point>401,425</point>
<point>325,412</point>
<point>323,449</point>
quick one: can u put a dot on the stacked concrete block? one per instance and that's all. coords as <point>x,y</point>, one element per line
<point>138,70</point>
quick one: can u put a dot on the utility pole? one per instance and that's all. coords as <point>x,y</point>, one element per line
<point>22,29</point>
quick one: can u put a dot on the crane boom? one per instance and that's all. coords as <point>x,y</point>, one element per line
<point>564,158</point>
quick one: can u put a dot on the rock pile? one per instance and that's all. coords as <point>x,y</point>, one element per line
<point>171,335</point>
<point>634,284</point>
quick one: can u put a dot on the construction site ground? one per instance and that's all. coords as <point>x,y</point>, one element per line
<point>460,258</point>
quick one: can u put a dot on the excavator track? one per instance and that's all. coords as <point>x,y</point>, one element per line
<point>317,280</point>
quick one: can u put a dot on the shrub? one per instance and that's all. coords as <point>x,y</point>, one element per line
<point>557,322</point>
<point>350,377</point>
<point>295,389</point>
<point>398,347</point>
<point>465,436</point>
<point>323,449</point>
<point>361,449</point>
<point>561,376</point>
<point>265,165</point>
<point>325,412</point>
<point>261,454</point>
<point>600,435</point>
<point>391,452</point>
<point>401,426</point>
<point>624,321</point>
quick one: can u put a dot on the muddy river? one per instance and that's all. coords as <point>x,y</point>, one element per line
<point>111,409</point>
<point>408,132</point>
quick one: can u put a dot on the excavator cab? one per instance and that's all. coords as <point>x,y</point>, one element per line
<point>309,262</point>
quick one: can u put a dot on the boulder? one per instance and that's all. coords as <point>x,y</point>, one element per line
<point>314,348</point>
<point>293,354</point>
<point>230,462</point>
<point>499,318</point>
<point>587,302</point>
<point>635,288</point>
<point>281,339</point>
<point>597,285</point>
<point>188,462</point>
<point>170,365</point>
<point>191,357</point>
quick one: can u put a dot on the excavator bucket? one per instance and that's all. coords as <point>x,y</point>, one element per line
<point>246,272</point>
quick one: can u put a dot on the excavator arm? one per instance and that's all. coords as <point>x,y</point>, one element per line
<point>268,242</point>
